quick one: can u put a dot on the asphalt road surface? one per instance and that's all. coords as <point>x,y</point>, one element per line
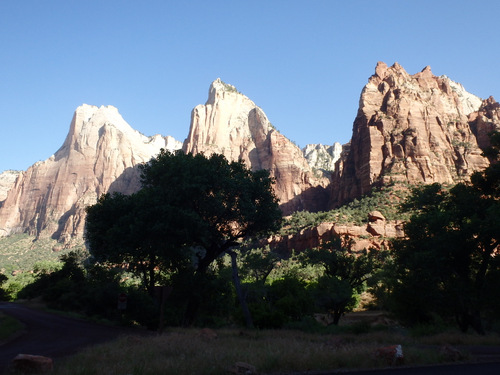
<point>57,336</point>
<point>52,335</point>
<point>461,369</point>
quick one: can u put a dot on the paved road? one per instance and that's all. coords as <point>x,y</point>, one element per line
<point>56,336</point>
<point>52,335</point>
<point>463,369</point>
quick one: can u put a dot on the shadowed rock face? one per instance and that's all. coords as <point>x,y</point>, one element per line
<point>412,128</point>
<point>231,124</point>
<point>485,120</point>
<point>99,155</point>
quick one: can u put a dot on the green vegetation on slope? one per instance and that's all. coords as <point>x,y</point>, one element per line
<point>386,200</point>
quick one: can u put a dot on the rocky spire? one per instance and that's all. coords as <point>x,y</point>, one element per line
<point>231,124</point>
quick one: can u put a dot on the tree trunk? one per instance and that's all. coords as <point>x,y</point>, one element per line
<point>193,304</point>
<point>476,323</point>
<point>336,317</point>
<point>239,292</point>
<point>337,313</point>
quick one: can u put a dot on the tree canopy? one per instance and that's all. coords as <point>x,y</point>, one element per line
<point>214,202</point>
<point>190,210</point>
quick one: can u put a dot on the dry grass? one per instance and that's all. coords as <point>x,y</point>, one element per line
<point>271,352</point>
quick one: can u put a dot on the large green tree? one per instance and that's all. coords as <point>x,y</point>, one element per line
<point>190,210</point>
<point>448,259</point>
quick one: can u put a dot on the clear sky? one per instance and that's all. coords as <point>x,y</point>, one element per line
<point>303,62</point>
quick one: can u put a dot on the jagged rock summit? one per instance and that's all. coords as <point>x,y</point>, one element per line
<point>231,124</point>
<point>410,128</point>
<point>99,155</point>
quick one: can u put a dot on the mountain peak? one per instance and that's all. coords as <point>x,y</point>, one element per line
<point>219,88</point>
<point>100,154</point>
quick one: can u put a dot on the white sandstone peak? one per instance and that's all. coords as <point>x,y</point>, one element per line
<point>470,102</point>
<point>220,89</point>
<point>321,156</point>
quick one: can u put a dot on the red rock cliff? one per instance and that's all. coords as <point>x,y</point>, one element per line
<point>411,128</point>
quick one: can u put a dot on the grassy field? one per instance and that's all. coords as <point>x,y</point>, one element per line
<point>194,351</point>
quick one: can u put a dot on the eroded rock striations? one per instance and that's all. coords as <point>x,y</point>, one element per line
<point>99,155</point>
<point>231,124</point>
<point>414,129</point>
<point>485,120</point>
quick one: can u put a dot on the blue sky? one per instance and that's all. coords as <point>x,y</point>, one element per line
<point>303,62</point>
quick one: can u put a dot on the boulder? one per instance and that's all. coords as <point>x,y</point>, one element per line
<point>392,355</point>
<point>31,364</point>
<point>375,216</point>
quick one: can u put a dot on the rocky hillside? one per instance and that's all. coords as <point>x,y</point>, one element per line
<point>413,128</point>
<point>98,156</point>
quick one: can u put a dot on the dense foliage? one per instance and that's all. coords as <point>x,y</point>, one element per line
<point>190,211</point>
<point>345,274</point>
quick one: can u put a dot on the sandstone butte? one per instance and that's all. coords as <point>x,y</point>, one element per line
<point>409,128</point>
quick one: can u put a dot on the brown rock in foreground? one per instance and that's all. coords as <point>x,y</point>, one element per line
<point>31,364</point>
<point>373,235</point>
